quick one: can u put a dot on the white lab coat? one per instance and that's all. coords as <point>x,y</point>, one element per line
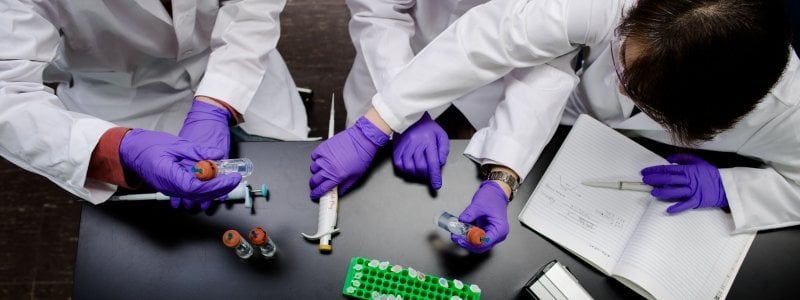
<point>387,35</point>
<point>531,44</point>
<point>127,63</point>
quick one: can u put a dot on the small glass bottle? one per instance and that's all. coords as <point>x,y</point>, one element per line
<point>234,240</point>
<point>208,169</point>
<point>474,234</point>
<point>260,239</point>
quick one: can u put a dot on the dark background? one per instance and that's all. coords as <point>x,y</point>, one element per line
<point>39,221</point>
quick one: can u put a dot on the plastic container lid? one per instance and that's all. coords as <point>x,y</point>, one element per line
<point>258,236</point>
<point>205,170</point>
<point>231,238</point>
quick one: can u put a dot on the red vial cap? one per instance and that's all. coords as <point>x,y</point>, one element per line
<point>231,238</point>
<point>476,235</point>
<point>258,236</point>
<point>205,170</point>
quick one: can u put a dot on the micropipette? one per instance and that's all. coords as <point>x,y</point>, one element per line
<point>328,205</point>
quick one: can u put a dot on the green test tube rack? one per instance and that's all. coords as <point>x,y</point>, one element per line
<point>373,279</point>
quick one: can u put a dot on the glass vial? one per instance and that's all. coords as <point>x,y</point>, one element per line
<point>208,169</point>
<point>259,237</point>
<point>232,239</point>
<point>473,234</point>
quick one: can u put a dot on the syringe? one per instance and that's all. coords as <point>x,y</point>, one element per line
<point>241,192</point>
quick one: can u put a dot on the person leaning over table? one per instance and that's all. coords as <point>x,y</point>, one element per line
<point>138,64</point>
<point>386,36</point>
<point>713,74</point>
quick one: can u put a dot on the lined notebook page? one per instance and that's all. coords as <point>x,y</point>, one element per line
<point>690,255</point>
<point>593,223</point>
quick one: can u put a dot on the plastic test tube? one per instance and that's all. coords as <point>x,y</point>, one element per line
<point>260,239</point>
<point>208,169</point>
<point>234,240</point>
<point>474,234</point>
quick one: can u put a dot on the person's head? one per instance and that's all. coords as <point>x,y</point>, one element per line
<point>699,66</point>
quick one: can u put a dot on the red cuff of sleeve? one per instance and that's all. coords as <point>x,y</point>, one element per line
<point>105,164</point>
<point>236,117</point>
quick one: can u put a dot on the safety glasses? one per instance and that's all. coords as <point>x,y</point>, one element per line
<point>618,59</point>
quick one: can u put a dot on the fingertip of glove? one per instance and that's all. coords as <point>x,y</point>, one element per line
<point>238,177</point>
<point>677,208</point>
<point>187,203</point>
<point>466,217</point>
<point>315,195</point>
<point>436,184</point>
<point>205,205</point>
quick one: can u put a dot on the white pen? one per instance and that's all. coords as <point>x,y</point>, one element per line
<point>620,185</point>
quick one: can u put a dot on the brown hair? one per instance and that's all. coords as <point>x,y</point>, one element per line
<point>704,64</point>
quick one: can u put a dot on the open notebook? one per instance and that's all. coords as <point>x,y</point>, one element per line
<point>628,234</point>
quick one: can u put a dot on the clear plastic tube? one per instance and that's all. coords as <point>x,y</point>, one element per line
<point>242,166</point>
<point>234,240</point>
<point>473,234</point>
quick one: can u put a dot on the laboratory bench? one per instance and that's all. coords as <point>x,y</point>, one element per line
<point>147,250</point>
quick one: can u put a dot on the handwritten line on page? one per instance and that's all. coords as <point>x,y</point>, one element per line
<point>628,234</point>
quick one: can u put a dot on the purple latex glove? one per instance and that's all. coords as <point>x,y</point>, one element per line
<point>692,182</point>
<point>422,150</point>
<point>161,160</point>
<point>207,126</point>
<point>487,211</point>
<point>343,158</point>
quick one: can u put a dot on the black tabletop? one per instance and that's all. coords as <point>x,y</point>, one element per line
<point>147,250</point>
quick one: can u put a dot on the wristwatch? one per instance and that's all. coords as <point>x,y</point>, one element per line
<point>506,177</point>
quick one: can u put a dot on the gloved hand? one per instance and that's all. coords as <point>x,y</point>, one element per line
<point>693,183</point>
<point>422,150</point>
<point>342,159</point>
<point>207,125</point>
<point>164,161</point>
<point>487,211</point>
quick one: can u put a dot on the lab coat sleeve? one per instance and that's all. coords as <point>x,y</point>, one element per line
<point>525,120</point>
<point>769,197</point>
<point>244,34</point>
<point>381,31</point>
<point>37,133</point>
<point>483,45</point>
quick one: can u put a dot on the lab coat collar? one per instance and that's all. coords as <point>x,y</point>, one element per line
<point>155,8</point>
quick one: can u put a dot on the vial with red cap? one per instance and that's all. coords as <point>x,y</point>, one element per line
<point>208,169</point>
<point>259,238</point>
<point>232,239</point>
<point>473,234</point>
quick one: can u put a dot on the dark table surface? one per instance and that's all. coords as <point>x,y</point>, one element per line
<point>147,250</point>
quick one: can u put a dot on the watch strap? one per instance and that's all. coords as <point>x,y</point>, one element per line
<point>507,178</point>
